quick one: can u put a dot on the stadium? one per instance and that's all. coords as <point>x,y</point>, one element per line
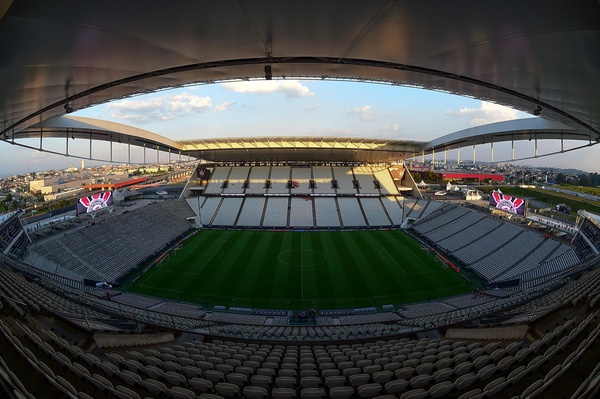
<point>297,267</point>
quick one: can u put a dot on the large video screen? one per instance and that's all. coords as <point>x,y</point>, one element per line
<point>507,203</point>
<point>94,202</point>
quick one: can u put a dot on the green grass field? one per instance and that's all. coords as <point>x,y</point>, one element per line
<point>298,270</point>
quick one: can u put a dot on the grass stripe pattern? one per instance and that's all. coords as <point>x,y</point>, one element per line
<point>299,270</point>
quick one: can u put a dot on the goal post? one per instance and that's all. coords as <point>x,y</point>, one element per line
<point>160,262</point>
<point>442,261</point>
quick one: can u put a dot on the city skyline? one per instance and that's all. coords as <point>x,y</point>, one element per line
<point>301,108</point>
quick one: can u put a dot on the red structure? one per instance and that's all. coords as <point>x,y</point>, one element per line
<point>472,176</point>
<point>114,186</point>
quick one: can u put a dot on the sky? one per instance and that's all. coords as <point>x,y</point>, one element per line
<point>296,108</point>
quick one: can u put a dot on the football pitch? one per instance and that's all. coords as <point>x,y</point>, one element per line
<point>299,270</point>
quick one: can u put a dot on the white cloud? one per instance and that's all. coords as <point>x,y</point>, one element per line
<point>225,106</point>
<point>394,127</point>
<point>185,102</point>
<point>365,113</point>
<point>487,113</point>
<point>313,107</point>
<point>162,108</point>
<point>291,88</point>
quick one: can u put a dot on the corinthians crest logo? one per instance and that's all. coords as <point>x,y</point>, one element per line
<point>96,201</point>
<point>507,203</point>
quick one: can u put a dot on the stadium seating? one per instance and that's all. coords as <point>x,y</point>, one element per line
<point>280,176</point>
<point>375,213</point>
<point>498,251</point>
<point>405,367</point>
<point>236,179</point>
<point>477,249</point>
<point>298,210</point>
<point>419,209</point>
<point>301,212</point>
<point>463,222</point>
<point>13,239</point>
<point>251,213</point>
<point>345,180</point>
<point>336,187</point>
<point>366,180</point>
<point>323,175</point>
<point>351,213</point>
<point>491,343</point>
<point>301,178</point>
<point>257,180</point>
<point>386,183</point>
<point>326,212</point>
<point>276,212</point>
<point>228,211</point>
<point>466,236</point>
<point>393,208</point>
<point>208,209</point>
<point>105,251</point>
<point>218,178</point>
<point>427,225</point>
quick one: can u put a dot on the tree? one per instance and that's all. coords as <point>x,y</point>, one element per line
<point>430,176</point>
<point>561,178</point>
<point>595,179</point>
<point>584,180</point>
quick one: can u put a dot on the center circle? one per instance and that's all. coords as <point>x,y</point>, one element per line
<point>301,257</point>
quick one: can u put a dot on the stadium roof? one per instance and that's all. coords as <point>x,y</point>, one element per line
<point>534,55</point>
<point>305,149</point>
<point>241,149</point>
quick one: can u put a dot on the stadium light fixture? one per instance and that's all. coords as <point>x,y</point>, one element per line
<point>268,67</point>
<point>537,110</point>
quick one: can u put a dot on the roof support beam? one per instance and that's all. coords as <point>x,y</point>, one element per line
<point>306,60</point>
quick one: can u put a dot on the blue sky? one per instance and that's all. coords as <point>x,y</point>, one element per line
<point>301,108</point>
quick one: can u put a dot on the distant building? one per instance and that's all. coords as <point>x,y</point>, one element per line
<point>43,186</point>
<point>471,176</point>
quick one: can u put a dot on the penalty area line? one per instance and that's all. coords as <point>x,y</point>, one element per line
<point>390,257</point>
<point>211,257</point>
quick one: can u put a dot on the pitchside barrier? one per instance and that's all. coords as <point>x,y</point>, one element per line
<point>445,262</point>
<point>160,261</point>
<point>439,258</point>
